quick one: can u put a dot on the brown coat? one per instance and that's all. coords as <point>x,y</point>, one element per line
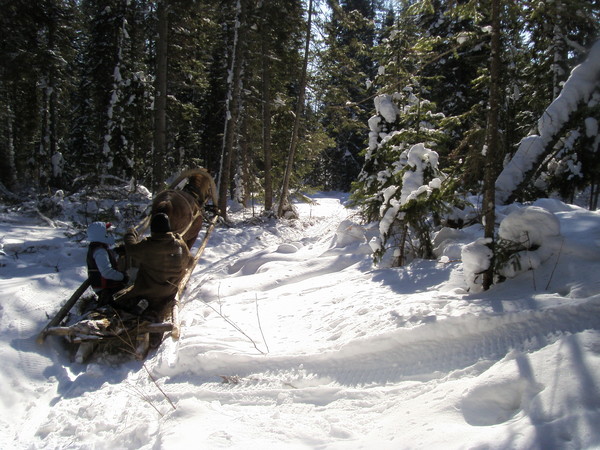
<point>163,259</point>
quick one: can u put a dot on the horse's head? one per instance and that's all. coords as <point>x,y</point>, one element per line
<point>203,185</point>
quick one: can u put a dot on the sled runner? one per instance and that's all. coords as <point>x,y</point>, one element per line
<point>136,331</point>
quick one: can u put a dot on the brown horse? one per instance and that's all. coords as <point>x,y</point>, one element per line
<point>184,204</point>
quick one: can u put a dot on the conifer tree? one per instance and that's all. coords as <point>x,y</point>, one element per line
<point>36,51</point>
<point>559,37</point>
<point>347,71</point>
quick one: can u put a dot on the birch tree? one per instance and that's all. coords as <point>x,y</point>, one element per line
<point>232,105</point>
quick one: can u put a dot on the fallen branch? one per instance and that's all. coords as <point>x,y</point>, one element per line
<point>562,242</point>
<point>259,324</point>
<point>235,326</point>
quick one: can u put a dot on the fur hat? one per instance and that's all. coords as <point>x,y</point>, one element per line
<point>98,232</point>
<point>160,223</point>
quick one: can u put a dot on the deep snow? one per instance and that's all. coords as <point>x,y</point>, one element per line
<point>292,339</point>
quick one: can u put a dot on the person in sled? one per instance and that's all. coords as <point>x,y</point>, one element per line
<point>162,260</point>
<point>102,264</point>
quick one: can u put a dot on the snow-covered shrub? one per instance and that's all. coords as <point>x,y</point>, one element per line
<point>52,205</point>
<point>527,238</point>
<point>405,214</point>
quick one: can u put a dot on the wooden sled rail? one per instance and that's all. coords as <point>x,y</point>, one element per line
<point>60,315</point>
<point>175,332</point>
<point>148,327</point>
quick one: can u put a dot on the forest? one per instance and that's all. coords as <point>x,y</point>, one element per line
<point>410,105</point>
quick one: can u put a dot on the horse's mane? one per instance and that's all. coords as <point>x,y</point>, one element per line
<point>201,180</point>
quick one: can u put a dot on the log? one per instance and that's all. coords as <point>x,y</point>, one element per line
<point>62,312</point>
<point>147,327</point>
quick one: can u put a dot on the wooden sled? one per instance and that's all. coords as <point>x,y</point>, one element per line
<point>121,330</point>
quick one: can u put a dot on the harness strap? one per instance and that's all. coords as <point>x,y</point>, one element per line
<point>194,215</point>
<point>194,192</point>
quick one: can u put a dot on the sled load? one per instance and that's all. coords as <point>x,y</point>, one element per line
<point>143,313</point>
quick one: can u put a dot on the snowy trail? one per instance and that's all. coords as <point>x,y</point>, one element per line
<point>425,352</point>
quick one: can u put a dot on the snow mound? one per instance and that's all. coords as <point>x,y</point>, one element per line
<point>476,258</point>
<point>536,232</point>
<point>530,226</point>
<point>349,232</point>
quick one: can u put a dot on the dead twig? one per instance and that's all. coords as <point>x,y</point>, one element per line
<point>562,242</point>
<point>159,388</point>
<point>233,324</point>
<point>259,324</point>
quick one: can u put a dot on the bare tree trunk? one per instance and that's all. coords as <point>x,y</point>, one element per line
<point>266,125</point>
<point>284,201</point>
<point>8,168</point>
<point>594,191</point>
<point>232,111</point>
<point>492,142</point>
<point>244,164</point>
<point>160,101</point>
<point>560,51</point>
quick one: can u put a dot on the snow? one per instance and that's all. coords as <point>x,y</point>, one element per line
<point>476,258</point>
<point>591,127</point>
<point>385,106</point>
<point>327,351</point>
<point>419,158</point>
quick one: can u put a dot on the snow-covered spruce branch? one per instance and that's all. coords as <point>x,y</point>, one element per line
<point>574,97</point>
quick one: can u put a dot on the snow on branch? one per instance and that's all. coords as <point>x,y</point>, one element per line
<point>579,87</point>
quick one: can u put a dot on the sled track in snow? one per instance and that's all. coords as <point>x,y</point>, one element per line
<point>427,351</point>
<point>433,350</point>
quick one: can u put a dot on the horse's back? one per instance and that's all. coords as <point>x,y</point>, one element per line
<point>179,206</point>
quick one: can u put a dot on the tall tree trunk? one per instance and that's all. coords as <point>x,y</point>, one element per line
<point>266,123</point>
<point>244,182</point>
<point>232,110</point>
<point>283,200</point>
<point>560,51</point>
<point>160,100</point>
<point>55,171</point>
<point>492,142</point>
<point>8,168</point>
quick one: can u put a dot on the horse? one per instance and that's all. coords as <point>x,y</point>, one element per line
<point>184,205</point>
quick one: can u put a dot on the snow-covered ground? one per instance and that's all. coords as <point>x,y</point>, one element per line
<point>292,339</point>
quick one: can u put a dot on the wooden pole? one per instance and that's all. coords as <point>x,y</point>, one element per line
<point>60,315</point>
<point>175,333</point>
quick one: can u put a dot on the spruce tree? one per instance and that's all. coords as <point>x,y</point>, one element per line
<point>35,86</point>
<point>346,71</point>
